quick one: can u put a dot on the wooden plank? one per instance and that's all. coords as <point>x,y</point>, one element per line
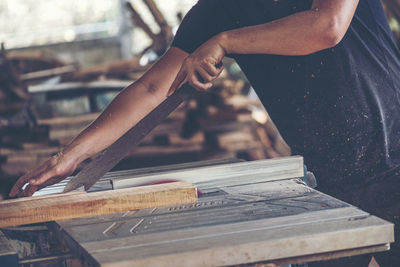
<point>47,73</point>
<point>166,30</point>
<point>63,122</point>
<point>105,184</point>
<point>107,84</point>
<point>74,205</point>
<point>229,174</point>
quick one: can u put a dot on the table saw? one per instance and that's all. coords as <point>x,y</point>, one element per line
<point>247,213</point>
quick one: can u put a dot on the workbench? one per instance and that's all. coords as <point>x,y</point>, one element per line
<point>248,212</point>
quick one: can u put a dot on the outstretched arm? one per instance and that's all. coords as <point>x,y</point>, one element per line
<point>321,27</point>
<point>128,108</point>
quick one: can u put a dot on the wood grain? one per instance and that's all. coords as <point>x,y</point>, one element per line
<point>74,205</point>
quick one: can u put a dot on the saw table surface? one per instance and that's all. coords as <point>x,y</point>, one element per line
<point>276,221</point>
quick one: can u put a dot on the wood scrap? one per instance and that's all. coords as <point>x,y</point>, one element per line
<point>77,204</point>
<point>197,130</point>
<point>166,30</point>
<point>160,40</point>
<point>47,73</point>
<point>137,19</point>
<point>118,69</point>
<point>26,62</point>
<point>8,255</point>
<point>13,89</point>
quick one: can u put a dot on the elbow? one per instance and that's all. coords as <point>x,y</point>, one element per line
<point>332,37</point>
<point>332,32</point>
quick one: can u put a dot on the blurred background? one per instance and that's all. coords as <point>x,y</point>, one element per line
<point>63,61</point>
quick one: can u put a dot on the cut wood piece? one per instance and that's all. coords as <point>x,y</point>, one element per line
<point>100,85</point>
<point>143,151</point>
<point>224,175</point>
<point>104,183</point>
<point>47,73</point>
<point>229,138</point>
<point>72,205</point>
<point>176,139</point>
<point>64,122</point>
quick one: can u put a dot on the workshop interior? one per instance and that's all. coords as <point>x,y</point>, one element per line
<point>203,178</point>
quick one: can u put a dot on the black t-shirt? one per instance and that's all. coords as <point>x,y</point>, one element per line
<point>339,107</point>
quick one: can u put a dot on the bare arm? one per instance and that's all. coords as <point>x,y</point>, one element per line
<point>128,108</point>
<point>299,34</point>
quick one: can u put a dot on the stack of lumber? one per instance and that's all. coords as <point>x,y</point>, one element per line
<point>12,92</point>
<point>195,131</point>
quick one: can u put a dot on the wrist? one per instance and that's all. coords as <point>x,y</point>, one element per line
<point>223,41</point>
<point>74,154</point>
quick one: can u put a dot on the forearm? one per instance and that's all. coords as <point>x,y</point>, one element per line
<point>127,109</point>
<point>299,34</point>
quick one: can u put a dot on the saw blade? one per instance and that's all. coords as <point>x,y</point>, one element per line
<point>109,157</point>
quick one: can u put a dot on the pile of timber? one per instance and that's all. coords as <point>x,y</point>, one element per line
<point>203,128</point>
<point>12,91</point>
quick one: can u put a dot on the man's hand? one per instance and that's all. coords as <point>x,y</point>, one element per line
<point>50,172</point>
<point>201,67</point>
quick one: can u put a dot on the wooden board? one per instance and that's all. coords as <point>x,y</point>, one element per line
<point>105,182</point>
<point>232,174</point>
<point>271,222</point>
<point>76,204</point>
<point>108,84</point>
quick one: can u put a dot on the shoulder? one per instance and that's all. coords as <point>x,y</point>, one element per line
<point>204,20</point>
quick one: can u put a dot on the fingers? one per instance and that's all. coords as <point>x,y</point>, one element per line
<point>197,82</point>
<point>213,69</point>
<point>23,180</point>
<point>205,76</point>
<point>51,181</point>
<point>50,172</point>
<point>31,189</point>
<point>17,186</point>
<point>34,178</point>
<point>42,177</point>
<point>199,77</point>
<point>28,191</point>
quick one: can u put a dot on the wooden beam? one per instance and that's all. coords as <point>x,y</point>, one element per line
<point>47,73</point>
<point>76,204</point>
<point>166,30</point>
<point>137,19</point>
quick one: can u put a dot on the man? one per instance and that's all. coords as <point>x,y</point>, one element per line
<point>326,70</point>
